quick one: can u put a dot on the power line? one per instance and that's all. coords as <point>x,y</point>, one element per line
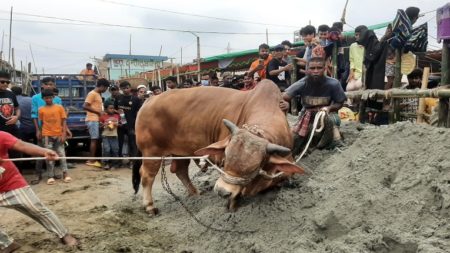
<point>46,47</point>
<point>141,27</point>
<point>195,15</point>
<point>44,22</point>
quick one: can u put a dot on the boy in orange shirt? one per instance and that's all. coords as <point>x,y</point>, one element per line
<point>53,132</point>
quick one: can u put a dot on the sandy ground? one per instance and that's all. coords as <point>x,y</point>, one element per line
<point>388,190</point>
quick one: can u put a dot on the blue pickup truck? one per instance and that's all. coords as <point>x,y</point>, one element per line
<point>72,91</point>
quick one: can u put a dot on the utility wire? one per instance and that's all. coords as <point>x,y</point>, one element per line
<point>140,27</point>
<point>46,47</point>
<point>195,15</point>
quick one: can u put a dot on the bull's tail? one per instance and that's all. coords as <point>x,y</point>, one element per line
<point>136,176</point>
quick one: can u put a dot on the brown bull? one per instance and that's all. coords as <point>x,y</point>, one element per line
<point>204,121</point>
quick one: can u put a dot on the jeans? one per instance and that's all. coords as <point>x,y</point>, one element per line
<point>132,148</point>
<point>54,143</point>
<point>110,148</point>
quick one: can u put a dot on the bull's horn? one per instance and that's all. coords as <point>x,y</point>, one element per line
<point>277,149</point>
<point>231,126</point>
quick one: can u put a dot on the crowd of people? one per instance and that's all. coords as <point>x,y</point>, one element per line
<point>363,62</point>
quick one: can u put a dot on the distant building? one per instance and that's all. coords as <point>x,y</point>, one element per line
<point>117,66</point>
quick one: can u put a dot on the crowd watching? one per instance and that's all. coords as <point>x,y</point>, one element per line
<point>306,75</point>
<point>363,61</point>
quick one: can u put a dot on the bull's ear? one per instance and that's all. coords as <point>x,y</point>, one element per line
<point>284,165</point>
<point>217,148</point>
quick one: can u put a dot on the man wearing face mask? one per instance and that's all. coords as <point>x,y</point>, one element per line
<point>318,93</point>
<point>205,80</point>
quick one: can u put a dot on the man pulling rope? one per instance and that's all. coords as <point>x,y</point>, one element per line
<point>318,93</point>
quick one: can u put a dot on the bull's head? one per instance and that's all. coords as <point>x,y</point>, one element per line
<point>251,163</point>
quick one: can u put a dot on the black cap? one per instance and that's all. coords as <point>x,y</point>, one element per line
<point>278,47</point>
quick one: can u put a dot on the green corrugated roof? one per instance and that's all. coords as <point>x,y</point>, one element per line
<point>297,44</point>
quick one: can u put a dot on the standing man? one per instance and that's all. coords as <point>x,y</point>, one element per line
<point>128,107</point>
<point>9,107</point>
<point>318,93</point>
<point>27,131</point>
<point>287,49</point>
<point>93,105</point>
<point>259,66</point>
<point>323,34</point>
<point>278,69</point>
<point>171,83</point>
<point>308,34</point>
<point>16,194</point>
<point>115,92</point>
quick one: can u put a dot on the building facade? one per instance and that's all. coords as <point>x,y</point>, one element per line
<point>117,66</point>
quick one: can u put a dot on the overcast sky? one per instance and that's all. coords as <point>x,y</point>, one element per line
<point>63,48</point>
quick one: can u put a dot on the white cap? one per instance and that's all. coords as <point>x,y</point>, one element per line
<point>141,86</point>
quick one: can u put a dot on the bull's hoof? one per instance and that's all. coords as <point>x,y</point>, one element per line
<point>194,192</point>
<point>152,211</point>
<point>232,205</point>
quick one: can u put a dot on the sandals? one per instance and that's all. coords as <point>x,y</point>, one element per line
<point>66,178</point>
<point>51,181</point>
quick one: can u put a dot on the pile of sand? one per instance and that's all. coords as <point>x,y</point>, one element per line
<point>387,191</point>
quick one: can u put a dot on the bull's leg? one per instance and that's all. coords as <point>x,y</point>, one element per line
<point>181,168</point>
<point>148,171</point>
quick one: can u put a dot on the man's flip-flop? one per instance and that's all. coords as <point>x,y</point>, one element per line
<point>67,179</point>
<point>51,181</point>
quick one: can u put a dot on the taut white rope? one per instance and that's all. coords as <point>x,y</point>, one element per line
<point>107,158</point>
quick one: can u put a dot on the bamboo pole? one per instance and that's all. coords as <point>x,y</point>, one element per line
<point>397,83</point>
<point>444,103</point>
<point>421,109</point>
<point>334,59</point>
<point>400,93</point>
<point>294,101</point>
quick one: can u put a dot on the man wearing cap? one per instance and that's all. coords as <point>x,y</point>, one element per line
<point>142,93</point>
<point>278,70</point>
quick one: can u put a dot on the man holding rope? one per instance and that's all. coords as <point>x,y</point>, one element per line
<point>318,94</point>
<point>16,194</point>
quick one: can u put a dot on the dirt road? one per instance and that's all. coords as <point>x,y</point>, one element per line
<point>387,191</point>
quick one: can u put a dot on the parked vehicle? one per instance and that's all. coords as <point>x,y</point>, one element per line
<point>73,90</point>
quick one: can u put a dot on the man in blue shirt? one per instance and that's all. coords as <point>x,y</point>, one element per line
<point>27,130</point>
<point>37,102</point>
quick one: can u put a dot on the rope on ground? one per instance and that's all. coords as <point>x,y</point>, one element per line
<point>166,186</point>
<point>320,116</point>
